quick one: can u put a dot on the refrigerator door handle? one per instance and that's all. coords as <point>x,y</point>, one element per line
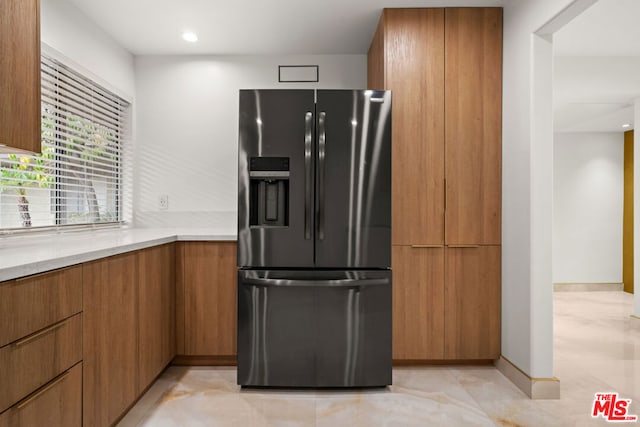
<point>322,142</point>
<point>308,135</point>
<point>328,282</point>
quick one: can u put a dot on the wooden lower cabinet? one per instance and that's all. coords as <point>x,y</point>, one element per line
<point>56,404</point>
<point>156,312</point>
<point>110,338</point>
<point>446,303</point>
<point>472,302</point>
<point>33,361</point>
<point>31,303</point>
<point>129,329</point>
<point>126,335</point>
<point>206,278</point>
<point>418,302</point>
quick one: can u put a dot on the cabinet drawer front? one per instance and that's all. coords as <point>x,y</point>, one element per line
<point>57,404</point>
<point>35,302</point>
<point>33,361</point>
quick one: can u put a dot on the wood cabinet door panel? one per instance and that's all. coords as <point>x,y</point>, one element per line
<point>156,334</point>
<point>56,404</point>
<point>472,303</point>
<point>414,72</point>
<point>35,302</point>
<point>110,338</point>
<point>20,75</point>
<point>33,361</point>
<point>444,67</point>
<point>473,130</point>
<point>208,280</point>
<point>418,303</point>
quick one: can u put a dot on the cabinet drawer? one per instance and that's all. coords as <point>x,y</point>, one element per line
<point>36,302</point>
<point>57,404</point>
<point>31,362</point>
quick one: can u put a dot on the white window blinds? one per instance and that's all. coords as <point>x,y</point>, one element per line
<point>78,177</point>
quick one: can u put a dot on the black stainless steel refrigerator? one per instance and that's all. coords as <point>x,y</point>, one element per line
<point>314,238</point>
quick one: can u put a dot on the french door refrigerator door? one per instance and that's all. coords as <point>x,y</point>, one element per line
<point>314,328</point>
<point>275,173</point>
<point>353,179</point>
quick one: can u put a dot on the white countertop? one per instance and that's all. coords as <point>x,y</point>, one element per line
<point>24,255</point>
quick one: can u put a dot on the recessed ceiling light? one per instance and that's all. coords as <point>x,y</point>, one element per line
<point>189,36</point>
<point>626,125</point>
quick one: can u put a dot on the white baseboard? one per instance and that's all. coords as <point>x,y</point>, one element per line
<point>587,287</point>
<point>535,388</point>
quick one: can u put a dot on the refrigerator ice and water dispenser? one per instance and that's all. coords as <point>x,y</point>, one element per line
<point>269,192</point>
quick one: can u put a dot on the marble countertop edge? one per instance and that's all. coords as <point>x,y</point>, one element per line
<point>26,255</point>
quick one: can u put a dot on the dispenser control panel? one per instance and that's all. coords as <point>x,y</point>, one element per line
<point>269,164</point>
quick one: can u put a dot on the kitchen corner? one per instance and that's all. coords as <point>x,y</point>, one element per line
<point>94,317</point>
<point>23,255</point>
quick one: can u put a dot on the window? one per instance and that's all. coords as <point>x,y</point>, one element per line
<point>78,177</point>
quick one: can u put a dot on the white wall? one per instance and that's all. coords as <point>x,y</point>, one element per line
<point>187,129</point>
<point>587,213</point>
<point>67,30</point>
<point>527,301</point>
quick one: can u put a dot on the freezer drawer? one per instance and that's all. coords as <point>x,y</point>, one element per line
<point>314,328</point>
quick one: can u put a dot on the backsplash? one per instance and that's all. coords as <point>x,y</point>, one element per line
<point>189,219</point>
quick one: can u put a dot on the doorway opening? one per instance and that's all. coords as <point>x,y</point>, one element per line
<point>594,96</point>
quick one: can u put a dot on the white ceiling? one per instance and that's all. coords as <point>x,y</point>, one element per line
<point>247,26</point>
<point>586,98</point>
<point>597,68</point>
<point>608,28</point>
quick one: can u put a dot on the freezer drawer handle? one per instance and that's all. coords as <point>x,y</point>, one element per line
<point>307,175</point>
<point>329,282</point>
<point>322,142</point>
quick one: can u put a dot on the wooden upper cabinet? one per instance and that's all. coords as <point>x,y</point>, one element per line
<point>444,68</point>
<point>473,117</point>
<point>20,76</point>
<point>407,57</point>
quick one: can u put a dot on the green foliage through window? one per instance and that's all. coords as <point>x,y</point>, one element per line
<point>77,177</point>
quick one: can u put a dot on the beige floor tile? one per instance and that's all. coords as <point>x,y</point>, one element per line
<point>597,348</point>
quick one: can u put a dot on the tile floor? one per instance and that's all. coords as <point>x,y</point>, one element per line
<point>597,348</point>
